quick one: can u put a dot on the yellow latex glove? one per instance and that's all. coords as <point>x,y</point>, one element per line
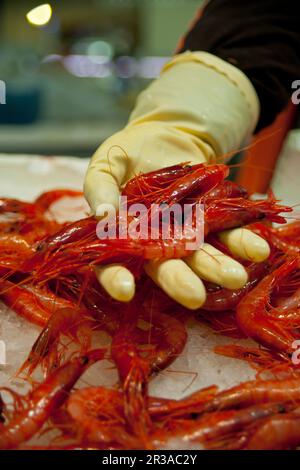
<point>199,108</point>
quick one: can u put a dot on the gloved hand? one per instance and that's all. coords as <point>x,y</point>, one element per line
<point>201,107</point>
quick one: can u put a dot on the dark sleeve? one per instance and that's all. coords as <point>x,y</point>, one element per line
<point>261,38</point>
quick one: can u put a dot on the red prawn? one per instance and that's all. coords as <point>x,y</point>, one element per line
<point>256,321</point>
<point>134,372</point>
<point>256,392</point>
<point>71,321</point>
<point>211,428</point>
<point>226,299</point>
<point>234,212</point>
<point>46,199</point>
<point>15,249</point>
<point>31,302</point>
<point>276,433</point>
<point>225,190</point>
<point>98,417</point>
<point>172,184</point>
<point>26,219</point>
<point>45,399</point>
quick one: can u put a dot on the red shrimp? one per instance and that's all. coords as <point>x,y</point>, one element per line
<point>22,208</point>
<point>230,213</point>
<point>256,392</point>
<point>71,257</point>
<point>14,251</point>
<point>47,198</point>
<point>225,190</point>
<point>84,229</point>
<point>45,399</point>
<point>33,303</point>
<point>108,403</point>
<point>98,417</point>
<point>167,336</point>
<point>212,427</point>
<point>197,178</point>
<point>161,409</point>
<point>70,321</point>
<point>68,259</point>
<point>166,341</point>
<point>134,372</point>
<point>26,219</point>
<point>290,231</point>
<point>106,313</point>
<point>259,358</point>
<point>200,177</point>
<point>221,321</point>
<point>79,230</point>
<point>15,243</point>
<point>163,335</point>
<point>253,317</point>
<point>276,433</point>
<point>141,185</point>
<point>37,230</point>
<point>226,299</point>
<point>200,180</point>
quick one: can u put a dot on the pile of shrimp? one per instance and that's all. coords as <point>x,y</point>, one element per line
<point>48,277</point>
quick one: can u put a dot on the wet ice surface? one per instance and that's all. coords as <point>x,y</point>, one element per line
<point>197,367</point>
<point>17,335</point>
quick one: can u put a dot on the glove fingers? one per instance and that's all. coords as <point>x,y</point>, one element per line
<point>246,244</point>
<point>117,281</point>
<point>214,266</point>
<point>178,281</point>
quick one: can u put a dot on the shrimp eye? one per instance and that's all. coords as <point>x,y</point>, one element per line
<point>84,360</point>
<point>281,409</point>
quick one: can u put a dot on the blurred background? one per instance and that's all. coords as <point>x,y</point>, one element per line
<point>72,68</point>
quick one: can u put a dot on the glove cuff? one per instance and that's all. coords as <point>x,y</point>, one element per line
<point>232,73</point>
<point>203,97</point>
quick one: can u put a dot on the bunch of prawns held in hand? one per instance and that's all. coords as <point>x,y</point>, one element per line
<point>47,277</point>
